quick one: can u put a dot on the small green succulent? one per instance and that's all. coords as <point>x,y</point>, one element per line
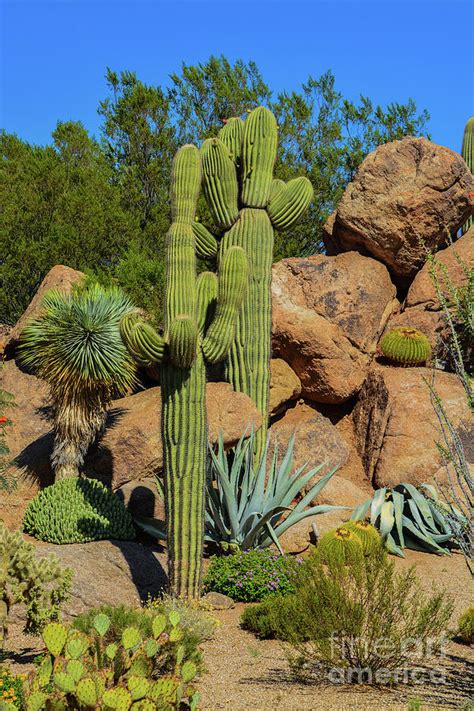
<point>340,545</point>
<point>405,346</point>
<point>77,511</point>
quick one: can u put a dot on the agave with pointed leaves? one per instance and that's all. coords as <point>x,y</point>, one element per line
<point>251,508</point>
<point>76,347</point>
<point>408,519</point>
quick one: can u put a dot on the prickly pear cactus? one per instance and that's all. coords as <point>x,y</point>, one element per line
<point>79,670</point>
<point>405,346</point>
<point>247,204</point>
<point>200,320</point>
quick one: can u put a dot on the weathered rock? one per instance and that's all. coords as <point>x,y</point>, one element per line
<point>143,498</point>
<point>131,447</point>
<point>110,573</point>
<point>284,385</point>
<point>422,291</point>
<point>328,313</point>
<point>59,277</point>
<point>404,192</point>
<point>396,426</point>
<point>317,441</point>
<point>218,601</point>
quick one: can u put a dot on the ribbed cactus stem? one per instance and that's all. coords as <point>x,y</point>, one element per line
<point>231,136</point>
<point>258,157</point>
<point>290,202</point>
<point>233,277</point>
<point>185,184</point>
<point>206,243</point>
<point>183,337</point>
<point>220,185</point>
<point>468,155</point>
<point>206,299</point>
<point>141,339</point>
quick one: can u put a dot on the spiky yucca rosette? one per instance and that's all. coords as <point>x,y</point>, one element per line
<point>405,346</point>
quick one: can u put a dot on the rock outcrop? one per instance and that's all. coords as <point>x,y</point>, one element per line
<point>328,313</point>
<point>284,385</point>
<point>397,429</point>
<point>406,194</point>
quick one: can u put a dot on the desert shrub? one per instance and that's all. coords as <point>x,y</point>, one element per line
<point>357,623</point>
<point>103,669</point>
<point>41,584</point>
<point>250,576</point>
<point>7,402</point>
<point>197,622</point>
<point>466,626</point>
<point>77,511</point>
<point>11,690</point>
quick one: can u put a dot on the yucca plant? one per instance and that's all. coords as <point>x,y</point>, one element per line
<point>76,347</point>
<point>408,519</point>
<point>250,507</point>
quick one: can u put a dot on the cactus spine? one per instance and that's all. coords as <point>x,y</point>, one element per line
<point>240,163</point>
<point>468,155</point>
<point>200,319</point>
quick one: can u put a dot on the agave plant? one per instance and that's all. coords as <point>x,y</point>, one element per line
<point>408,519</point>
<point>251,508</point>
<point>75,346</point>
<point>248,508</point>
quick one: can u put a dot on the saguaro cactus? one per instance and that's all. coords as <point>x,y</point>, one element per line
<point>247,204</point>
<point>200,319</point>
<point>468,155</point>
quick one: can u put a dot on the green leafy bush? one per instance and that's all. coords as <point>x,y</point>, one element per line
<point>77,511</point>
<point>11,690</point>
<point>103,669</point>
<point>197,622</point>
<point>39,583</point>
<point>250,576</point>
<point>361,622</point>
<point>466,626</point>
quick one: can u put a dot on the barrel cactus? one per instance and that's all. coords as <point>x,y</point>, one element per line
<point>340,546</point>
<point>405,346</point>
<point>77,511</point>
<point>468,155</point>
<point>200,319</point>
<point>247,204</point>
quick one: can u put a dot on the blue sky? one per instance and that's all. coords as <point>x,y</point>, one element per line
<point>54,54</point>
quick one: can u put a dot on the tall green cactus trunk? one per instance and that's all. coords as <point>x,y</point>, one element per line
<point>200,318</point>
<point>468,155</point>
<point>247,203</point>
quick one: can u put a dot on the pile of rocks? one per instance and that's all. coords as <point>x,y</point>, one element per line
<point>375,422</point>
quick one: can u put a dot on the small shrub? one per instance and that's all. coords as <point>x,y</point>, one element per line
<point>41,584</point>
<point>466,626</point>
<point>103,669</point>
<point>361,621</point>
<point>198,623</point>
<point>77,511</point>
<point>11,690</point>
<point>250,576</point>
<point>7,401</point>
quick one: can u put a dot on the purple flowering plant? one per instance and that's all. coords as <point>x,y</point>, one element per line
<point>251,576</point>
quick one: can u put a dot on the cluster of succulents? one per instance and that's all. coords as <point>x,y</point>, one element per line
<point>406,518</point>
<point>348,543</point>
<point>41,584</point>
<point>77,510</point>
<point>405,346</point>
<point>97,670</point>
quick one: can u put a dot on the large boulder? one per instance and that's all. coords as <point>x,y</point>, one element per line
<point>59,277</point>
<point>406,195</point>
<point>328,313</point>
<point>131,447</point>
<point>317,441</point>
<point>397,429</point>
<point>284,385</point>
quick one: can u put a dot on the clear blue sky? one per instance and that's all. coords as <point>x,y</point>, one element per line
<point>54,54</point>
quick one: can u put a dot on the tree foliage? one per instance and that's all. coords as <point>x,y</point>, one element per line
<point>102,205</point>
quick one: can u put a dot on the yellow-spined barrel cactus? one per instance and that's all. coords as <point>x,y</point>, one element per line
<point>368,535</point>
<point>405,346</point>
<point>77,511</point>
<point>340,546</point>
<point>247,204</point>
